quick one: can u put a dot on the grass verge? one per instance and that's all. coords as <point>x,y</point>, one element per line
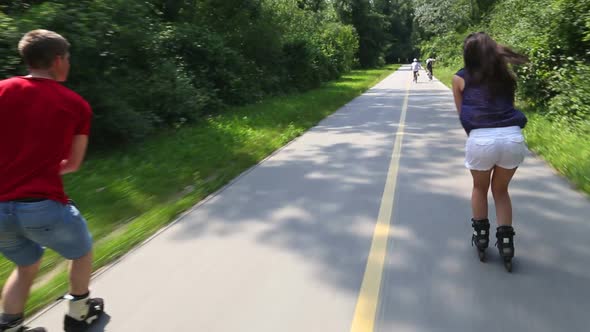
<point>445,75</point>
<point>564,146</point>
<point>128,195</point>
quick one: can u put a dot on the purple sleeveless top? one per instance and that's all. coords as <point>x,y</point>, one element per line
<point>479,110</point>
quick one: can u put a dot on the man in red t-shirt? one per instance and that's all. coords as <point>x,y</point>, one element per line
<point>43,134</point>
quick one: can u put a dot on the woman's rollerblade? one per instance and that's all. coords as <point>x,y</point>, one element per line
<point>481,236</point>
<point>505,244</point>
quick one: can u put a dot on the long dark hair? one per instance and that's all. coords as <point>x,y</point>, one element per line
<point>486,63</point>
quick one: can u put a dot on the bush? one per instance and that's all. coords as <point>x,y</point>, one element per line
<point>339,45</point>
<point>147,65</point>
<point>572,102</point>
<point>448,49</point>
<point>8,40</point>
<point>556,77</point>
<point>301,59</point>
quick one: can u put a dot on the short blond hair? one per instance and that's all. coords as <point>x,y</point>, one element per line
<point>39,48</point>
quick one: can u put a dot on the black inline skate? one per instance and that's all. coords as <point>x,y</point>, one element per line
<point>481,236</point>
<point>505,244</point>
<point>17,326</point>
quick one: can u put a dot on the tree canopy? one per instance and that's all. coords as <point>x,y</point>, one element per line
<point>150,64</point>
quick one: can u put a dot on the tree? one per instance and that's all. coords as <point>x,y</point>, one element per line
<point>398,15</point>
<point>313,5</point>
<point>437,17</point>
<point>370,26</point>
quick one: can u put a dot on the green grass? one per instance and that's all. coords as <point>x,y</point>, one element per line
<point>128,195</point>
<point>565,147</point>
<point>445,75</point>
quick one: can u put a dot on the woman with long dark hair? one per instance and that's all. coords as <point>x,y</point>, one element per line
<point>484,95</point>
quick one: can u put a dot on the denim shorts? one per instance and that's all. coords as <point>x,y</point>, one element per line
<point>27,228</point>
<point>489,147</point>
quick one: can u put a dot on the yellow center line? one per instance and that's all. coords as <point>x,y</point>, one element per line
<point>366,306</point>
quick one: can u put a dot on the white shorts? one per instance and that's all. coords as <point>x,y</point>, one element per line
<point>489,147</point>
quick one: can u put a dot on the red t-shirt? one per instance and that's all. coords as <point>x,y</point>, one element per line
<point>38,120</point>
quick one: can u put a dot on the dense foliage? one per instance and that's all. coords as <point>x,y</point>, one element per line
<point>555,34</point>
<point>150,64</point>
<point>145,65</point>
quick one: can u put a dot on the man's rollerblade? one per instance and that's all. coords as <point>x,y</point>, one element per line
<point>19,327</point>
<point>505,244</point>
<point>480,237</point>
<point>82,313</point>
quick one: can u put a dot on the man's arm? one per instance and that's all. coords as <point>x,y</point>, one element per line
<point>73,163</point>
<point>458,86</point>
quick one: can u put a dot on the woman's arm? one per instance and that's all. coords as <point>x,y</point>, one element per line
<point>458,86</point>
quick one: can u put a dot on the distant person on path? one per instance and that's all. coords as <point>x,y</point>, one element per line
<point>484,95</point>
<point>430,67</point>
<point>44,130</point>
<point>415,68</point>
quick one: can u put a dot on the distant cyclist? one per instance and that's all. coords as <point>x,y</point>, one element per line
<point>429,67</point>
<point>415,68</point>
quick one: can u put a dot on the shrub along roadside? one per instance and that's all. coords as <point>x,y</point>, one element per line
<point>151,65</point>
<point>128,195</point>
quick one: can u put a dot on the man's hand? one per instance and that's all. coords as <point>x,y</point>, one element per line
<point>73,163</point>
